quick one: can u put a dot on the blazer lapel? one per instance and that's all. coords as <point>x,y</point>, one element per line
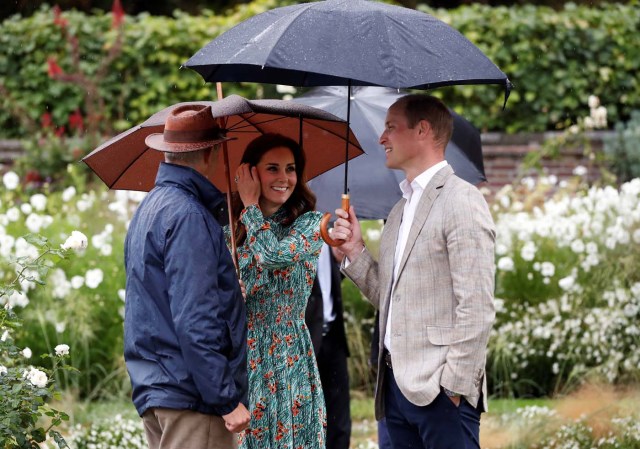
<point>431,192</point>
<point>387,252</point>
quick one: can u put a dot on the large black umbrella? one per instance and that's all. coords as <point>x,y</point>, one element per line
<point>349,43</point>
<point>342,42</point>
<point>373,187</point>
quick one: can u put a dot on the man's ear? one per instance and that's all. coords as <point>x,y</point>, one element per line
<point>424,129</point>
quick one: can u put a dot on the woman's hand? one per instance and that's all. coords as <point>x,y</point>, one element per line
<point>248,183</point>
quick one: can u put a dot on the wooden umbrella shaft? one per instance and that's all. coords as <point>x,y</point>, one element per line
<point>227,172</point>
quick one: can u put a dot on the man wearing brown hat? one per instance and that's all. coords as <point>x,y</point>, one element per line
<point>185,327</point>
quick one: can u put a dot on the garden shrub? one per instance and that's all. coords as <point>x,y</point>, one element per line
<point>82,303</point>
<point>556,59</point>
<point>568,288</point>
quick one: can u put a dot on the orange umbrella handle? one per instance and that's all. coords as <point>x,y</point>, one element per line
<point>324,223</point>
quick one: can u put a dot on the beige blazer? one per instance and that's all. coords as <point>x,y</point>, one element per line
<point>443,298</point>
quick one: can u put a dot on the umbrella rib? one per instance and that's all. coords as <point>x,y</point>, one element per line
<point>128,167</point>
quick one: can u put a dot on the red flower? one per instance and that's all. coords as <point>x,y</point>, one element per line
<point>57,17</point>
<point>45,120</point>
<point>118,14</point>
<point>32,176</point>
<point>54,69</point>
<point>59,132</point>
<point>75,121</point>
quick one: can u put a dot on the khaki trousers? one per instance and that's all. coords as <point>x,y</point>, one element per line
<point>185,429</point>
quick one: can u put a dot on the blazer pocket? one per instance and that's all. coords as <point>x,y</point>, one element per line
<point>440,336</point>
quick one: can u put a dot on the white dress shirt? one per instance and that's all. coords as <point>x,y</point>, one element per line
<point>324,279</point>
<point>412,192</point>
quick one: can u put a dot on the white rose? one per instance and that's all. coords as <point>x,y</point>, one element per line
<point>13,214</point>
<point>37,378</point>
<point>26,352</point>
<point>94,278</point>
<point>580,170</point>
<point>505,264</point>
<point>26,208</point>
<point>76,241</point>
<point>62,350</point>
<point>77,282</point>
<point>38,201</point>
<point>11,180</point>
<point>68,193</point>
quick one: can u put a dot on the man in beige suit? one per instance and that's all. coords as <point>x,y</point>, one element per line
<point>433,284</point>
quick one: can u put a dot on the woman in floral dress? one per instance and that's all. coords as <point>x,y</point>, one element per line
<point>278,239</point>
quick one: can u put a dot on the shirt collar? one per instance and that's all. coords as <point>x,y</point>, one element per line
<point>420,181</point>
<point>191,181</point>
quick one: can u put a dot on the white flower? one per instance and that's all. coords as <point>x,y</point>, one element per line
<point>593,101</point>
<point>373,234</point>
<point>580,170</point>
<point>26,208</point>
<point>62,350</point>
<point>13,214</point>
<point>5,335</point>
<point>528,251</point>
<point>18,299</point>
<point>566,283</point>
<point>26,353</point>
<point>77,282</point>
<point>34,223</point>
<point>577,246</point>
<point>94,278</point>
<point>37,378</point>
<point>60,327</point>
<point>283,89</point>
<point>68,193</point>
<point>547,269</point>
<point>11,180</point>
<point>505,264</point>
<point>76,241</point>
<point>3,370</point>
<point>38,201</point>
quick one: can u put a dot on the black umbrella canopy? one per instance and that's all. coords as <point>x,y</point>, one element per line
<point>373,187</point>
<point>345,42</point>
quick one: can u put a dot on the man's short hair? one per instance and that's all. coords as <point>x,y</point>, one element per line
<point>188,157</point>
<point>419,107</point>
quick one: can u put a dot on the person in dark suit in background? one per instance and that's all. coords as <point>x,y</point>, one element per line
<point>326,326</point>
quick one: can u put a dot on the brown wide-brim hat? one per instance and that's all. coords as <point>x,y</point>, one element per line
<point>188,128</point>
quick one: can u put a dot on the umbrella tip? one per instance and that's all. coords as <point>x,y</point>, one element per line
<point>507,90</point>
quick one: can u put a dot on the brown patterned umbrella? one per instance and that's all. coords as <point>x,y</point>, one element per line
<point>126,163</point>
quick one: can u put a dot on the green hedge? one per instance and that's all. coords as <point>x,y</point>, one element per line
<point>556,59</point>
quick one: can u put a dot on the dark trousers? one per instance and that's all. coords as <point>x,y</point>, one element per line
<point>439,425</point>
<point>334,376</point>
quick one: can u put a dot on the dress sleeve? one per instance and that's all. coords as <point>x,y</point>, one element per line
<point>302,243</point>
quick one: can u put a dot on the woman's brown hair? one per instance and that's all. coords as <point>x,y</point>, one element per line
<point>302,199</point>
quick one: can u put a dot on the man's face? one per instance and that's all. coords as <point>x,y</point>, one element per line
<point>399,141</point>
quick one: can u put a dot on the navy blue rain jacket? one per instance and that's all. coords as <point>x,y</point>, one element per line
<point>185,322</point>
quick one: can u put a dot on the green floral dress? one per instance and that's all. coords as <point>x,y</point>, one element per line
<point>278,265</point>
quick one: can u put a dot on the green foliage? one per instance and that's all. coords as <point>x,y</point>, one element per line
<point>556,59</point>
<point>623,149</point>
<point>26,417</point>
<point>82,303</point>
